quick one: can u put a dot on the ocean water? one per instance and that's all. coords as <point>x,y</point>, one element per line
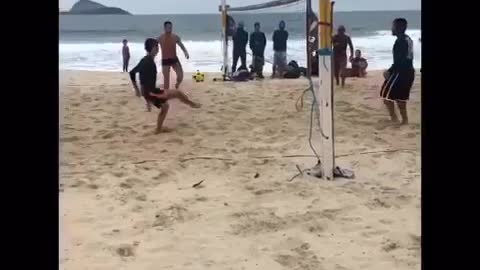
<point>94,42</point>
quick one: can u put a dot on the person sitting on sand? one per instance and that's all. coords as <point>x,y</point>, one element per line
<point>359,67</point>
<point>400,76</point>
<point>125,55</point>
<point>168,43</point>
<point>148,78</point>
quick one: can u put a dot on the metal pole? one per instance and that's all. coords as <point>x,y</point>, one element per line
<point>325,87</point>
<point>224,38</point>
<point>307,36</point>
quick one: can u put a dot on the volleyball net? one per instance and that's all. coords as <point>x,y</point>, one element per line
<point>268,14</point>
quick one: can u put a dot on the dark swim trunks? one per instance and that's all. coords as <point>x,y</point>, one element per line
<point>169,61</point>
<point>157,102</point>
<point>398,85</point>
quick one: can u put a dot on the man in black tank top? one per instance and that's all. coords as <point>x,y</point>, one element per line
<point>400,76</point>
<point>148,79</point>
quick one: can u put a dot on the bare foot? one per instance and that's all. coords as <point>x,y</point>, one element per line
<point>163,130</point>
<point>177,85</point>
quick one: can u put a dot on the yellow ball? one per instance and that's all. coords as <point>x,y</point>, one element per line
<point>199,77</point>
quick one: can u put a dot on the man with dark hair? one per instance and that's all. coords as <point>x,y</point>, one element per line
<point>258,41</point>
<point>240,41</point>
<point>400,76</point>
<point>148,77</point>
<point>340,43</point>
<point>280,37</point>
<point>168,43</point>
<point>125,55</point>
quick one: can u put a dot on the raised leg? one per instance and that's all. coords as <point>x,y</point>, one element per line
<point>183,98</point>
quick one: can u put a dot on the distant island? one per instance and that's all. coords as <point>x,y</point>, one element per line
<point>87,7</point>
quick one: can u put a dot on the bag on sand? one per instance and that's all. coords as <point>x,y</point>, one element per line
<point>293,70</point>
<point>241,75</point>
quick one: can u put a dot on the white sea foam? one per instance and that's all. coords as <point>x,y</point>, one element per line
<point>207,55</point>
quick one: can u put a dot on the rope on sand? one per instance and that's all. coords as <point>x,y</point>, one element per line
<point>285,156</point>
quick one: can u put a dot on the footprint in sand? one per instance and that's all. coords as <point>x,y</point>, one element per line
<point>70,139</point>
<point>390,245</point>
<point>377,203</point>
<point>175,140</point>
<point>125,250</point>
<point>257,222</point>
<point>300,258</point>
<point>262,192</point>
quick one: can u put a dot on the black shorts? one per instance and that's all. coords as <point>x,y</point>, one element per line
<point>169,61</point>
<point>398,85</point>
<point>157,102</point>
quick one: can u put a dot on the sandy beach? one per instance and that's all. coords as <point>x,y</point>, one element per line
<point>126,195</point>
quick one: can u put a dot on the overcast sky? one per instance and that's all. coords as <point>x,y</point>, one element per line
<point>211,6</point>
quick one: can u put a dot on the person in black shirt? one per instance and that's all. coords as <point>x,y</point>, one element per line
<point>148,78</point>
<point>400,76</point>
<point>240,41</point>
<point>280,37</point>
<point>258,41</point>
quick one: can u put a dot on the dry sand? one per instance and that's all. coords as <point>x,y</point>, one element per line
<point>127,200</point>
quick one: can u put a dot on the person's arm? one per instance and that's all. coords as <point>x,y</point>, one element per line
<point>350,44</point>
<point>264,41</point>
<point>180,43</point>
<point>133,75</point>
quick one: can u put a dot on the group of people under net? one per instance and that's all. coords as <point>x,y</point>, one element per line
<point>257,42</point>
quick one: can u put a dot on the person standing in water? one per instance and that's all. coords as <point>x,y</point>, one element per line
<point>340,43</point>
<point>240,41</point>
<point>168,44</point>
<point>156,96</point>
<point>280,37</point>
<point>125,55</point>
<point>258,42</point>
<point>400,76</point>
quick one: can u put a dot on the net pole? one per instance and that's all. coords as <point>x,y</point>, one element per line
<point>325,95</point>
<point>224,38</point>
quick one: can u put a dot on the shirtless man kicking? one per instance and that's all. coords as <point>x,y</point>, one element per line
<point>168,43</point>
<point>153,95</point>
